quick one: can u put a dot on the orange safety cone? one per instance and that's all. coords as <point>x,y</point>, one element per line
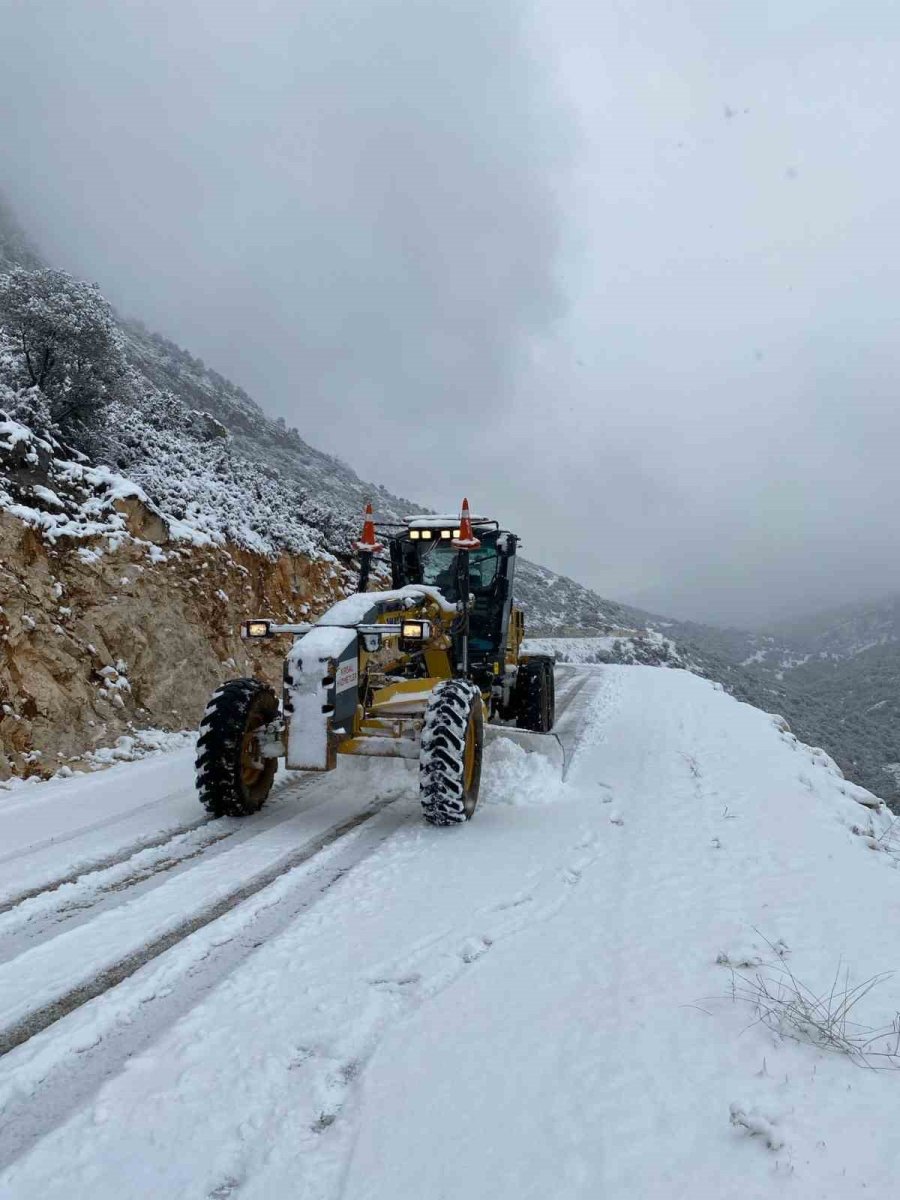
<point>467,539</point>
<point>368,544</point>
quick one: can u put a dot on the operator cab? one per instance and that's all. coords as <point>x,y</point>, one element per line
<point>425,554</point>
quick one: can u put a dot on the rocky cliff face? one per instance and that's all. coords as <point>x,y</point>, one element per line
<point>98,641</point>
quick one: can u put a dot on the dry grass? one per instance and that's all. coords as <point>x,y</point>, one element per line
<point>826,1019</point>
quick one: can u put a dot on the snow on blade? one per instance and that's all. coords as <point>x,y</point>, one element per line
<point>356,608</point>
<point>305,669</point>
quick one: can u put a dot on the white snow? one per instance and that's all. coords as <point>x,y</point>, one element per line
<point>543,1003</point>
<point>571,650</point>
<point>129,747</point>
<point>757,656</point>
<point>790,661</point>
<point>354,609</point>
<point>308,728</point>
<point>621,646</point>
<point>440,520</point>
<point>47,495</point>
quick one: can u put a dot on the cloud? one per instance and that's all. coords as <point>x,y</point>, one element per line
<point>346,206</point>
<point>622,273</point>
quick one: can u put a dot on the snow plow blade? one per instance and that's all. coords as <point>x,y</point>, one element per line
<point>548,745</point>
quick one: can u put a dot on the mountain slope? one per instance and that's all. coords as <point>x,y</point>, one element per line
<point>847,631</point>
<point>836,676</point>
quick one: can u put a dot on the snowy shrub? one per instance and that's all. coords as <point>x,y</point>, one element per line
<point>29,406</point>
<point>824,1018</point>
<point>66,340</point>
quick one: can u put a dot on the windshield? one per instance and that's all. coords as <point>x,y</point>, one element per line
<point>439,567</point>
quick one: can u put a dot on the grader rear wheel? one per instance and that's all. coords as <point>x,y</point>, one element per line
<point>232,779</point>
<point>451,753</point>
<point>534,699</point>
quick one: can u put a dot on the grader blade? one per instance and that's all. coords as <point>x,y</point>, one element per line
<point>547,746</point>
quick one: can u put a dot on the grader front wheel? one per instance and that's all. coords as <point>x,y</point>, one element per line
<point>232,779</point>
<point>451,753</point>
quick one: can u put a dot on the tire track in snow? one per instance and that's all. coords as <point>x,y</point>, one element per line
<point>159,837</point>
<point>94,866</point>
<point>42,1017</point>
<point>61,1071</point>
<point>571,706</point>
<point>94,826</point>
<point>41,910</point>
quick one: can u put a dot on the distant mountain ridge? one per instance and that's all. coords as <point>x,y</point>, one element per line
<point>838,672</point>
<point>847,631</point>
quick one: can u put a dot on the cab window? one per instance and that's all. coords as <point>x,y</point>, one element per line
<point>439,567</point>
<point>482,568</point>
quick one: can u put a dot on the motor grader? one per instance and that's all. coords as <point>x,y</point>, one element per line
<point>412,672</point>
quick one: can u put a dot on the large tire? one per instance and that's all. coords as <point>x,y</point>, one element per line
<point>451,753</point>
<point>535,695</point>
<point>231,780</point>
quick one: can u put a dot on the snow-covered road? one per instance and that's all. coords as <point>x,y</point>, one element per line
<point>332,999</point>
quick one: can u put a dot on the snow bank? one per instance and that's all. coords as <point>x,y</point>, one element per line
<point>141,743</point>
<point>513,775</point>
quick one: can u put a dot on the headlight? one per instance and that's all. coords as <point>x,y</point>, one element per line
<point>446,533</point>
<point>414,534</point>
<point>415,631</point>
<point>256,629</point>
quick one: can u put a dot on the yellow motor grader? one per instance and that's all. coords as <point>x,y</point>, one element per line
<point>413,672</point>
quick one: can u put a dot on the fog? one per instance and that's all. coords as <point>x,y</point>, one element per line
<point>625,274</point>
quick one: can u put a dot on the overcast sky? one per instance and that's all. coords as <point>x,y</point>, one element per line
<point>624,272</point>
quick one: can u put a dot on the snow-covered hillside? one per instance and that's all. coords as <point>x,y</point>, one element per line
<point>847,631</point>
<point>835,674</point>
<point>595,988</point>
<point>625,646</point>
